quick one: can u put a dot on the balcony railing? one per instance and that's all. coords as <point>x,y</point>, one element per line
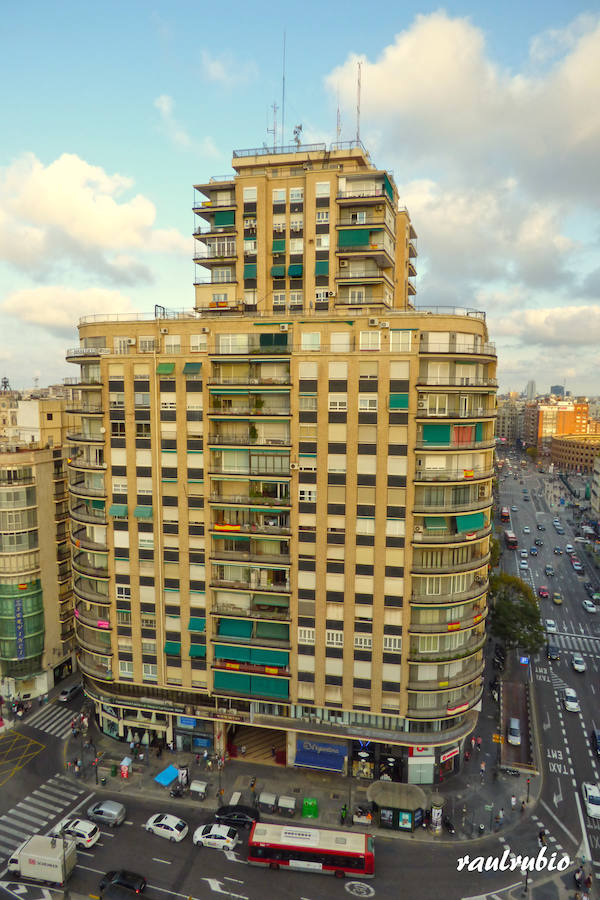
<point>85,568</point>
<point>90,667</point>
<point>94,618</point>
<point>466,675</point>
<point>240,410</point>
<point>362,193</point>
<point>87,593</point>
<point>84,409</point>
<point>249,584</point>
<point>445,627</point>
<point>448,567</point>
<point>244,556</point>
<point>253,350</point>
<point>250,379</point>
<point>479,412</point>
<point>249,500</point>
<point>211,254</point>
<point>450,508</point>
<point>346,273</point>
<point>87,352</point>
<point>484,349</point>
<point>252,612</point>
<point>84,490</point>
<point>82,514</point>
<point>469,648</point>
<point>446,709</point>
<point>256,528</point>
<point>452,474</point>
<point>253,440</point>
<point>80,539</point>
<point>448,537</point>
<point>468,445</point>
<point>79,462</point>
<point>79,438</point>
<point>456,381</point>
<point>226,469</point>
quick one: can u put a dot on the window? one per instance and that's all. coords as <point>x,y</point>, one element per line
<point>308,371</point>
<point>146,344</point>
<point>296,299</point>
<point>279,195</point>
<point>222,274</point>
<point>336,462</point>
<point>363,642</point>
<point>116,400</point>
<point>394,527</point>
<point>392,643</point>
<point>307,403</point>
<point>148,620</point>
<point>358,218</point>
<point>232,343</point>
<point>340,342</point>
<point>148,646</point>
<point>141,399</point>
<point>322,242</point>
<point>278,301</point>
<point>307,495</point>
<point>296,195</point>
<point>367,368</point>
<point>370,340</point>
<point>365,525</point>
<point>297,224</point>
<point>219,298</point>
<point>334,638</point>
<point>322,216</point>
<point>322,189</point>
<point>311,340</point>
<point>249,245</point>
<point>338,370</point>
<point>356,295</point>
<point>400,341</point>
<point>173,343</point>
<point>149,672</point>
<point>367,403</point>
<point>123,592</point>
<point>296,245</point>
<point>198,343</point>
<point>306,635</point>
<point>125,668</point>
<point>338,402</point>
<point>118,486</point>
<point>123,617</point>
<point>249,195</point>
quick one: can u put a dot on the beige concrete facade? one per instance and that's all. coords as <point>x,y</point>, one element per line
<point>283,510</point>
<point>575,452</point>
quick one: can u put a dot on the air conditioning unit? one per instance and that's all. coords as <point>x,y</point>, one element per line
<point>131,342</point>
<point>384,324</point>
<point>379,209</point>
<point>422,404</point>
<point>164,330</point>
<point>343,263</point>
<point>331,293</point>
<point>293,466</point>
<point>205,330</point>
<point>373,321</point>
<point>283,326</point>
<point>103,430</point>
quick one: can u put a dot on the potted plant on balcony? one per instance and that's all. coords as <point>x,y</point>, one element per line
<point>252,432</point>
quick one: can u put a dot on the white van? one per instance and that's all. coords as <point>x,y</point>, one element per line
<point>514,732</point>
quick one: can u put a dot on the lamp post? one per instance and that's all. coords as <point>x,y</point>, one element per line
<point>528,784</point>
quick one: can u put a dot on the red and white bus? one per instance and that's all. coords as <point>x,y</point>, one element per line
<point>505,514</point>
<point>510,539</point>
<point>337,853</point>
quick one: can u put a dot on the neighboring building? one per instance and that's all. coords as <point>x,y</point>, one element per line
<point>575,452</point>
<point>557,390</point>
<point>8,408</point>
<point>282,500</point>
<point>530,391</point>
<point>545,419</point>
<point>595,492</point>
<point>508,421</point>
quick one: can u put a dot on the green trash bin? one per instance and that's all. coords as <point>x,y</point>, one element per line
<point>114,769</point>
<point>310,808</point>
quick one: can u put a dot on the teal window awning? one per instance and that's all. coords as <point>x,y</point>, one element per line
<point>235,628</point>
<point>143,512</point>
<point>470,522</point>
<point>98,504</point>
<point>224,217</point>
<point>232,681</point>
<point>398,401</point>
<point>271,600</point>
<point>165,368</point>
<point>436,433</point>
<point>250,270</point>
<point>263,686</point>
<point>479,431</point>
<point>197,623</point>
<point>295,270</point>
<point>357,237</point>
<point>322,267</point>
<point>279,245</point>
<point>173,648</point>
<point>239,654</point>
<point>277,271</point>
<point>435,523</point>
<point>192,368</point>
<point>277,631</point>
<point>263,657</point>
<point>387,187</point>
<point>198,651</point>
<point>118,509</point>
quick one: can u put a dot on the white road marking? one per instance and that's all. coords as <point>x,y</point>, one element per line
<point>584,835</point>
<point>557,820</point>
<point>167,862</point>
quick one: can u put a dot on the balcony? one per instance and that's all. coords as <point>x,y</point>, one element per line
<point>94,618</point>
<point>476,412</point>
<point>454,708</point>
<point>453,474</point>
<point>347,274</point>
<point>365,196</point>
<point>449,508</point>
<point>250,379</point>
<point>254,349</point>
<point>250,500</point>
<point>81,489</point>
<point>244,556</point>
<point>82,383</point>
<point>82,514</point>
<point>382,252</point>
<point>82,565</point>
<point>482,349</point>
<point>208,256</point>
<point>255,527</point>
<point>445,627</point>
<point>96,642</point>
<point>88,593</point>
<point>79,538</point>
<point>253,440</point>
<point>468,445</point>
<point>256,610</point>
<point>448,568</point>
<point>250,584</point>
<point>247,410</point>
<point>447,537</point>
<point>90,666</point>
<point>255,469</point>
<point>469,648</point>
<point>79,462</point>
<point>78,437</point>
<point>477,589</point>
<point>456,381</point>
<point>208,205</point>
<point>84,354</point>
<point>80,408</point>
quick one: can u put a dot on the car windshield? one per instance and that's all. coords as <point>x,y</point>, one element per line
<point>594,799</point>
<point>180,826</point>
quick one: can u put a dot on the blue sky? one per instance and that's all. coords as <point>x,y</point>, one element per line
<point>488,115</point>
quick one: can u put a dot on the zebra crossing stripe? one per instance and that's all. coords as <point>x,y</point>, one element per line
<point>16,813</point>
<point>20,833</point>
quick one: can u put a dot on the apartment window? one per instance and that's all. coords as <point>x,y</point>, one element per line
<point>141,399</point>
<point>338,402</point>
<point>232,343</point>
<point>307,403</point>
<point>311,340</point>
<point>116,400</point>
<point>322,216</point>
<point>123,592</point>
<point>336,462</point>
<point>173,343</point>
<point>306,635</point>
<point>296,245</point>
<point>296,299</point>
<point>119,487</point>
<point>307,463</point>
<point>356,295</point>
<point>149,672</point>
<point>222,274</point>
<point>296,195</point>
<point>278,300</point>
<point>322,189</point>
<point>148,621</point>
<point>340,342</point>
<point>308,371</point>
<point>146,344</point>
<point>365,525</point>
<point>334,638</point>
<point>307,495</point>
<point>400,341</point>
<point>370,340</point>
<point>363,642</point>
<point>250,195</point>
<point>198,343</point>
<point>392,643</point>
<point>219,298</point>
<point>296,224</point>
<point>359,217</point>
<point>308,432</point>
<point>125,668</point>
<point>367,403</point>
<point>148,646</point>
<point>338,370</point>
<point>279,195</point>
<point>123,617</point>
<point>249,245</point>
<point>322,242</point>
<point>367,368</point>
<point>394,527</point>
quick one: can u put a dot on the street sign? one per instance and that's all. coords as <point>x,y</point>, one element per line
<point>524,660</point>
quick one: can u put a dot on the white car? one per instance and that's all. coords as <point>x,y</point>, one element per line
<point>569,548</point>
<point>527,530</point>
<point>578,662</point>
<point>219,836</point>
<point>523,564</point>
<point>591,799</point>
<point>570,700</point>
<point>588,606</point>
<point>83,832</point>
<point>164,825</point>
<point>551,626</point>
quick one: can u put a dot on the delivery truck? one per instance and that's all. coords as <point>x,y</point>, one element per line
<point>42,858</point>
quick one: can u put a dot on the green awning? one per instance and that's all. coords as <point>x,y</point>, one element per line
<point>165,368</point>
<point>479,431</point>
<point>231,681</point>
<point>398,401</point>
<point>235,628</point>
<point>240,654</point>
<point>197,651</point>
<point>173,648</point>
<point>271,600</point>
<point>98,504</point>
<point>387,186</point>
<point>436,433</point>
<point>192,368</point>
<point>197,623</point>
<point>143,512</point>
<point>224,217</point>
<point>435,523</point>
<point>264,657</point>
<point>295,270</point>
<point>118,509</point>
<point>230,535</point>
<point>263,686</point>
<point>279,245</point>
<point>322,267</point>
<point>278,271</point>
<point>250,270</point>
<point>273,630</point>
<point>470,522</point>
<point>357,237</point>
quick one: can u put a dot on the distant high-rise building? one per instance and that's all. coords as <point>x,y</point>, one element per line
<point>557,390</point>
<point>530,392</point>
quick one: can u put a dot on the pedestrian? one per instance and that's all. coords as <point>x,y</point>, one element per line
<point>482,770</point>
<point>478,743</point>
<point>513,802</point>
<point>243,749</point>
<point>522,806</point>
<point>542,837</point>
<point>273,751</point>
<point>578,876</point>
<point>473,742</point>
<point>501,816</point>
<point>588,882</point>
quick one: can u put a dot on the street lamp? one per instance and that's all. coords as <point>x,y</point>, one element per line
<point>528,783</point>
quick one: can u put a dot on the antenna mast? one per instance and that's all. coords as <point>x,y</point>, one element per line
<point>273,130</point>
<point>283,97</point>
<point>359,67</point>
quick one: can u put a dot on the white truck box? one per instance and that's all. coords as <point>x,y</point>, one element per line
<point>44,858</point>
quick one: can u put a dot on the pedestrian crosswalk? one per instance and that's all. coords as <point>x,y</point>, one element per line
<point>575,642</point>
<point>48,803</point>
<point>52,718</point>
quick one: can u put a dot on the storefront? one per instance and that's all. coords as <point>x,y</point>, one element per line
<point>191,734</point>
<point>315,754</point>
<point>449,763</point>
<point>373,761</point>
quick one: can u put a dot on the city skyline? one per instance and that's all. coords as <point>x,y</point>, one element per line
<point>95,200</point>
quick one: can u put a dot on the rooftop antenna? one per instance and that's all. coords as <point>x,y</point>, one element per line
<point>273,130</point>
<point>283,97</point>
<point>297,135</point>
<point>359,67</point>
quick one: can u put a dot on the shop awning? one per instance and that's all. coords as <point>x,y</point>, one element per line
<point>143,512</point>
<point>192,368</point>
<point>118,509</point>
<point>197,651</point>
<point>165,368</point>
<point>470,522</point>
<point>173,648</point>
<point>197,623</point>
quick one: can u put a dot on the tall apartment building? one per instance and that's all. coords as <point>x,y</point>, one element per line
<point>508,421</point>
<point>544,419</point>
<point>36,598</point>
<point>281,500</point>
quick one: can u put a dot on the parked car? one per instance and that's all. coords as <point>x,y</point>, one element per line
<point>595,739</point>
<point>570,701</point>
<point>589,606</point>
<point>167,826</point>
<point>107,812</point>
<point>122,877</point>
<point>591,799</point>
<point>551,626</point>
<point>69,693</point>
<point>220,836</point>
<point>84,833</point>
<point>578,662</point>
<point>513,734</point>
<point>237,816</point>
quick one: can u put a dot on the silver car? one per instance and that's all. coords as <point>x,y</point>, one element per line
<point>107,812</point>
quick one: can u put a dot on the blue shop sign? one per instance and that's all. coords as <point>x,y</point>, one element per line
<point>318,755</point>
<point>186,722</point>
<point>19,628</point>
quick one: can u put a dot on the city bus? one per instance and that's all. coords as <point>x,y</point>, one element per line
<point>510,539</point>
<point>505,514</point>
<point>329,852</point>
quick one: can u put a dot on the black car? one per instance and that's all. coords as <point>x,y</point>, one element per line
<point>541,528</point>
<point>538,542</point>
<point>123,878</point>
<point>595,738</point>
<point>558,551</point>
<point>552,651</point>
<point>237,816</point>
<point>589,588</point>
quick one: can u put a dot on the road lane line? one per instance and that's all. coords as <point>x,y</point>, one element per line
<point>167,862</point>
<point>558,821</point>
<point>155,887</point>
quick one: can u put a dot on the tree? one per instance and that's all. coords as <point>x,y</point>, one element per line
<point>515,614</point>
<point>494,552</point>
<point>532,453</point>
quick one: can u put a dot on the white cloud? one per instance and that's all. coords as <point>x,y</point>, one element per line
<point>57,308</point>
<point>178,134</point>
<point>227,70</point>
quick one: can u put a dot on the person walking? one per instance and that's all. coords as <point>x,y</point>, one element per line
<point>513,802</point>
<point>473,743</point>
<point>482,770</point>
<point>501,816</point>
<point>523,806</point>
<point>479,742</point>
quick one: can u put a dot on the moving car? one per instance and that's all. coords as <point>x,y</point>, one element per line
<point>557,598</point>
<point>526,530</point>
<point>533,551</point>
<point>220,836</point>
<point>558,551</point>
<point>84,833</point>
<point>167,826</point>
<point>69,693</point>
<point>589,606</point>
<point>552,651</point>
<point>513,509</point>
<point>589,587</point>
<point>595,738</point>
<point>526,497</point>
<point>541,527</point>
<point>578,662</point>
<point>237,816</point>
<point>543,592</point>
<point>122,877</point>
<point>107,812</point>
<point>523,554</point>
<point>551,626</point>
<point>523,564</point>
<point>570,701</point>
<point>577,567</point>
<point>538,542</point>
<point>591,799</point>
<point>549,570</point>
<point>569,548</point>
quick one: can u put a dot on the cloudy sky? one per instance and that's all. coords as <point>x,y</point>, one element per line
<point>488,114</point>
